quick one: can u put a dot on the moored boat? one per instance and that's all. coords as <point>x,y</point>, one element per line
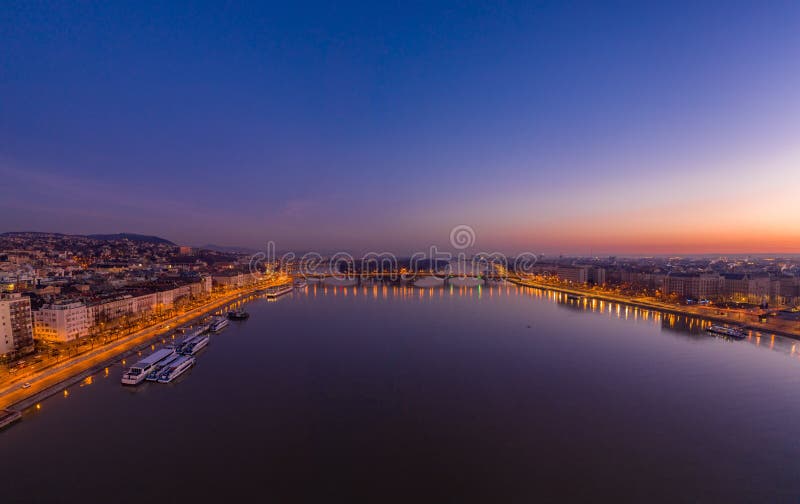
<point>275,292</point>
<point>195,345</point>
<point>731,332</point>
<point>139,371</point>
<point>200,330</point>
<point>153,375</point>
<point>238,314</point>
<point>218,324</point>
<point>176,368</point>
<point>192,336</point>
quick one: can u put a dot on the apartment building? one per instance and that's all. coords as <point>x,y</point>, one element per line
<point>693,285</point>
<point>16,326</point>
<point>62,321</point>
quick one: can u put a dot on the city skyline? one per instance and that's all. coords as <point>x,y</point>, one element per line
<point>399,251</point>
<point>557,129</point>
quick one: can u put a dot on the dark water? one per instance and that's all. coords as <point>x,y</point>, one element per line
<point>493,395</point>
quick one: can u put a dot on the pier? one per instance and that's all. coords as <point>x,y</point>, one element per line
<point>7,417</point>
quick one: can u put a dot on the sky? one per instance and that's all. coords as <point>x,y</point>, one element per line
<point>552,127</point>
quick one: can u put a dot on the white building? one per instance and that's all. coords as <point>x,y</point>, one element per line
<point>65,322</point>
<point>235,280</point>
<point>16,327</point>
<point>206,284</point>
<point>62,322</point>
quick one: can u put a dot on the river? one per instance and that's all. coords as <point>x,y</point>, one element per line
<point>383,393</point>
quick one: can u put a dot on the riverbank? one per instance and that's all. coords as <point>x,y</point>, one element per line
<point>51,380</point>
<point>730,317</point>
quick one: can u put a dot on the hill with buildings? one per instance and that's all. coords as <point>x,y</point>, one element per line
<point>132,237</point>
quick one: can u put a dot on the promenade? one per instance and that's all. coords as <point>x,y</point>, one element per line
<point>790,329</point>
<point>46,382</point>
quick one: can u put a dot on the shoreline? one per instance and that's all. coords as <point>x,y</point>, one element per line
<point>141,340</point>
<point>94,361</point>
<point>676,310</point>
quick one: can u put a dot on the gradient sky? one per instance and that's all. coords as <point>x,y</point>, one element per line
<point>563,127</point>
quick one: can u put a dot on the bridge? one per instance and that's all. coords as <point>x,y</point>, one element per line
<point>403,277</point>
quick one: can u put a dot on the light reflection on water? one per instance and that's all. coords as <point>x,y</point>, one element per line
<point>489,392</point>
<point>667,321</point>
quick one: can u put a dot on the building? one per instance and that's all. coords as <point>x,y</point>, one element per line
<point>635,277</point>
<point>61,322</point>
<point>748,288</point>
<point>134,306</point>
<point>789,289</point>
<point>69,320</point>
<point>16,326</point>
<point>693,285</point>
<point>204,286</point>
<point>574,274</point>
<point>597,276</point>
<point>735,287</point>
<point>234,280</point>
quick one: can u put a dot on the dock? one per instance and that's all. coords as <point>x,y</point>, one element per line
<point>7,417</point>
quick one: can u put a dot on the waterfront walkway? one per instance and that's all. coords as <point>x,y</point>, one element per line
<point>750,321</point>
<point>44,381</point>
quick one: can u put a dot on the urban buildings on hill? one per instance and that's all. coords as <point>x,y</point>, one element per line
<point>61,288</point>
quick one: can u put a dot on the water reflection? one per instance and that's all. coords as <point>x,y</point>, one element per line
<point>384,379</point>
<point>686,325</point>
<point>677,324</point>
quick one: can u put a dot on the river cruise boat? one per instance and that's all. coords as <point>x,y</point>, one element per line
<point>300,284</point>
<point>195,345</point>
<point>199,330</point>
<point>153,375</point>
<point>191,338</point>
<point>139,371</point>
<point>219,324</point>
<point>275,292</point>
<point>176,368</point>
<point>731,332</point>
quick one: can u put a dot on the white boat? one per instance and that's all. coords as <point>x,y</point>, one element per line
<point>176,368</point>
<point>300,284</point>
<point>191,338</point>
<point>139,371</point>
<point>732,332</point>
<point>195,345</point>
<point>219,324</point>
<point>274,292</point>
<point>153,374</point>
